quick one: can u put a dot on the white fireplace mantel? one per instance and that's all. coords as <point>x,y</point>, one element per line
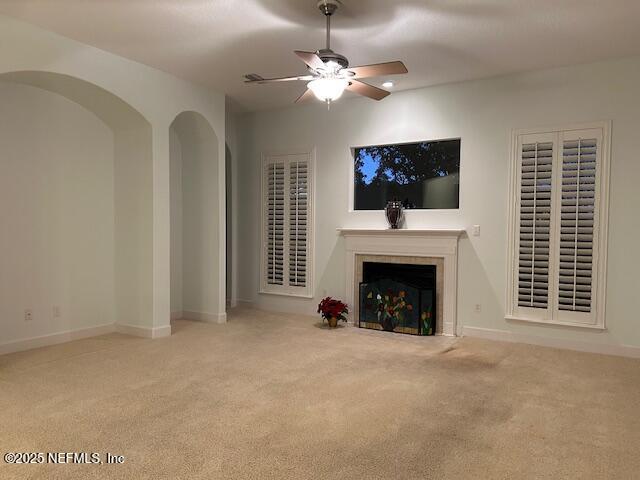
<point>401,232</point>
<point>431,243</point>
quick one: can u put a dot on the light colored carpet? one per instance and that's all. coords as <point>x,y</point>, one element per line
<point>276,397</point>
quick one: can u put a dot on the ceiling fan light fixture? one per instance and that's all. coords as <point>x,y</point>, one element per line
<point>329,72</point>
<point>328,89</point>
<point>388,84</point>
<point>332,67</point>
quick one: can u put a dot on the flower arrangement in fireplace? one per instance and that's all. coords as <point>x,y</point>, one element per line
<point>333,310</point>
<point>389,307</point>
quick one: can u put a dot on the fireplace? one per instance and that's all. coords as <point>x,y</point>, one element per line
<point>398,297</point>
<point>435,247</point>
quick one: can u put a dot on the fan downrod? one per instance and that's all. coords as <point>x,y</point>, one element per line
<point>328,8</point>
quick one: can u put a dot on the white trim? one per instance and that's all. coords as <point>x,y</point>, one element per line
<point>143,332</point>
<point>602,206</point>
<point>582,346</point>
<point>402,232</point>
<point>205,317</point>
<point>80,333</point>
<point>603,124</point>
<point>287,293</point>
<point>603,225</point>
<point>176,315</point>
<point>511,318</point>
<point>55,338</point>
<point>439,243</point>
<point>286,290</point>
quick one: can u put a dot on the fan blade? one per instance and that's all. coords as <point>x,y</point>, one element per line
<point>311,59</point>
<point>378,69</point>
<point>305,97</point>
<point>253,78</point>
<point>366,90</point>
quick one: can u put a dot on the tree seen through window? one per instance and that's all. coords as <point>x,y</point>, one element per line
<point>421,175</point>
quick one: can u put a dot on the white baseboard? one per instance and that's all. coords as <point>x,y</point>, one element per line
<point>177,315</point>
<point>245,303</point>
<point>161,332</point>
<point>144,332</point>
<point>205,317</point>
<point>582,346</point>
<point>55,338</point>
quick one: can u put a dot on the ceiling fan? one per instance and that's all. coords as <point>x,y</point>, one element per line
<point>329,72</point>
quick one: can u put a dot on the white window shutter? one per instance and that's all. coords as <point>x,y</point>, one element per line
<point>536,179</point>
<point>578,225</point>
<point>559,226</point>
<point>287,224</point>
<point>275,222</point>
<point>298,226</point>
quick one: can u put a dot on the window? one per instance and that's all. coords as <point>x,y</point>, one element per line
<point>421,175</point>
<point>558,226</point>
<point>287,224</point>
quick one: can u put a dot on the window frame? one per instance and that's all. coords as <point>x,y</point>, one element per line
<point>352,179</point>
<point>288,290</point>
<point>552,315</point>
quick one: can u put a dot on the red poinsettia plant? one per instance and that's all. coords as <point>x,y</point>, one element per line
<point>331,308</point>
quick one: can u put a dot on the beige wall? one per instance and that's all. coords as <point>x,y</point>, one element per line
<point>483,114</point>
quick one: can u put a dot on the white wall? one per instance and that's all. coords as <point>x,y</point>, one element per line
<point>134,225</point>
<point>176,223</point>
<point>57,215</point>
<point>232,152</point>
<point>482,113</point>
<point>196,151</point>
<point>142,160</point>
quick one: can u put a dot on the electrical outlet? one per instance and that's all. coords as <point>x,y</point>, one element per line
<point>56,311</point>
<point>476,230</point>
<point>478,308</point>
<point>28,315</point>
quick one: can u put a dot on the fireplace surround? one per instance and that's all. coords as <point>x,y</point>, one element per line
<point>438,247</point>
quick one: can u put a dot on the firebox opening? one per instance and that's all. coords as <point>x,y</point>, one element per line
<point>398,298</point>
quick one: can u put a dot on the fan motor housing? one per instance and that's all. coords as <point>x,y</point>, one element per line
<point>328,55</point>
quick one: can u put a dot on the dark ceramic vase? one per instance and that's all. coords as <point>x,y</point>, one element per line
<point>393,211</point>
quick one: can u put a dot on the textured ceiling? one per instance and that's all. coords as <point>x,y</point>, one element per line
<point>216,42</point>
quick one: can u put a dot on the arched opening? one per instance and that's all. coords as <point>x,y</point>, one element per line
<point>76,203</point>
<point>195,220</point>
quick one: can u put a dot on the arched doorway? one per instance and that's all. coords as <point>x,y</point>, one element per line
<point>196,283</point>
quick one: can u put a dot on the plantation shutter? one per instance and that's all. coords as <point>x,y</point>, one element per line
<point>298,210</point>
<point>275,223</point>
<point>559,256</point>
<point>536,181</point>
<point>579,224</point>
<point>287,225</point>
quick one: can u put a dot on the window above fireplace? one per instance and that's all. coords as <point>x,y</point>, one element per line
<point>423,175</point>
